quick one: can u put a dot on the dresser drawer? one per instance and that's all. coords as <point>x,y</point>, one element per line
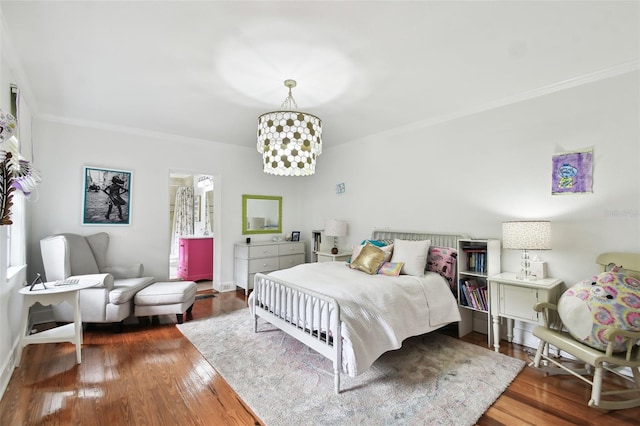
<point>263,251</point>
<point>264,257</point>
<point>291,260</point>
<point>292,248</point>
<point>267,264</point>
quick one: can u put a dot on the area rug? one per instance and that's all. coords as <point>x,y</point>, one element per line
<point>433,379</point>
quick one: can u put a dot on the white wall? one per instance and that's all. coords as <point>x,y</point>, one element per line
<point>470,174</point>
<point>63,150</point>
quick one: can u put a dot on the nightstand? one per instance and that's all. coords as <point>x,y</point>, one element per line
<point>342,256</point>
<point>512,298</point>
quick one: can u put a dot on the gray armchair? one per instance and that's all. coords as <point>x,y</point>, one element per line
<point>72,256</point>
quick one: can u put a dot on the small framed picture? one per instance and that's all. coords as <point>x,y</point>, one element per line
<point>295,236</point>
<point>107,197</point>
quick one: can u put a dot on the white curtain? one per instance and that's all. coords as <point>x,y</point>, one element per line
<point>182,216</point>
<point>207,218</point>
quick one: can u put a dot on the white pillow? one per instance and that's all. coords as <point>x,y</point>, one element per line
<point>413,254</point>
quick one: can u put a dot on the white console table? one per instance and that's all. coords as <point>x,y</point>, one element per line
<point>513,298</point>
<point>53,295</point>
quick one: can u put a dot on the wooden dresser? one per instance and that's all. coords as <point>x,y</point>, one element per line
<point>264,257</point>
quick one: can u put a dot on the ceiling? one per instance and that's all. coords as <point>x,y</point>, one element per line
<point>207,69</point>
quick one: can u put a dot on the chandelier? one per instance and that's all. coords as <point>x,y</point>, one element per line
<point>289,140</point>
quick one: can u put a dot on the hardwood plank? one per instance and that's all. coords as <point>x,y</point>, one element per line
<point>151,374</point>
<point>512,411</point>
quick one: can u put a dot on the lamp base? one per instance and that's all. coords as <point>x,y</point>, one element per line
<point>525,273</point>
<point>334,250</point>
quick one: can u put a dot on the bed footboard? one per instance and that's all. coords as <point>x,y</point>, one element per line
<point>310,317</point>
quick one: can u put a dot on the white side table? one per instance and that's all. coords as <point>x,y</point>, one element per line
<point>53,295</point>
<point>341,256</point>
<point>513,298</point>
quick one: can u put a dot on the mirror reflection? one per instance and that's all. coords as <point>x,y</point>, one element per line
<point>261,214</point>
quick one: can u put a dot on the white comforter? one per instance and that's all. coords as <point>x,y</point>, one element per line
<point>378,312</point>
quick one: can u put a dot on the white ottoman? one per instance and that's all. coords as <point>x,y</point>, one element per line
<point>165,298</point>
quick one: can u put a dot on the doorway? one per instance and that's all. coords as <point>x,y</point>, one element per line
<point>191,211</point>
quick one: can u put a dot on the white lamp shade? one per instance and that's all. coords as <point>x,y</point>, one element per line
<point>526,235</point>
<point>335,228</point>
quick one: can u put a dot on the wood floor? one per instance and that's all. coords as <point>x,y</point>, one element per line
<point>152,375</point>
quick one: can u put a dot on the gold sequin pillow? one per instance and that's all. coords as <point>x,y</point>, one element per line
<point>369,260</point>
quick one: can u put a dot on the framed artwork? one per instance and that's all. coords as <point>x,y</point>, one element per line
<point>572,172</point>
<point>295,236</point>
<point>107,197</point>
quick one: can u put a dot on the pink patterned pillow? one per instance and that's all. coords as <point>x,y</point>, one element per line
<point>390,269</point>
<point>442,260</point>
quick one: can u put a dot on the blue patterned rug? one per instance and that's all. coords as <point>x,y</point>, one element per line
<point>433,379</point>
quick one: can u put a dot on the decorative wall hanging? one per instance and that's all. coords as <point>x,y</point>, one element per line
<point>16,173</point>
<point>572,172</point>
<point>107,197</point>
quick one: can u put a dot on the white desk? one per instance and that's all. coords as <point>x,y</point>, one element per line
<point>53,295</point>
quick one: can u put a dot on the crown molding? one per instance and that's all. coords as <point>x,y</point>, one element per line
<point>53,118</point>
<point>602,74</point>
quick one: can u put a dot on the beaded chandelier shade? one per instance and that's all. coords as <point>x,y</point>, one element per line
<point>289,140</point>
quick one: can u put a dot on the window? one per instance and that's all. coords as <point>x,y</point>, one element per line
<point>16,233</point>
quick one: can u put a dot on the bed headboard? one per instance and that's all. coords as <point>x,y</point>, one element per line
<point>630,262</point>
<point>441,240</point>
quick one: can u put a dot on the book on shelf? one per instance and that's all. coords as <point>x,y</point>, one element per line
<point>317,240</point>
<point>466,295</point>
<point>475,296</point>
<point>463,298</point>
<point>476,259</point>
<point>482,291</point>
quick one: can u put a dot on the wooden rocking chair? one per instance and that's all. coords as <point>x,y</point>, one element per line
<point>596,361</point>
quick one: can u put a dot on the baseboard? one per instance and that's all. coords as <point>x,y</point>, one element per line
<point>523,334</point>
<point>7,368</point>
<point>226,287</point>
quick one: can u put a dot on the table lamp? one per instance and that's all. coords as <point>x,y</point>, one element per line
<point>526,235</point>
<point>335,228</point>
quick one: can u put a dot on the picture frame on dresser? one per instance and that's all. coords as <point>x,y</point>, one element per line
<point>295,236</point>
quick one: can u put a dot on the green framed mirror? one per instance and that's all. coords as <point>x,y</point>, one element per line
<point>261,214</point>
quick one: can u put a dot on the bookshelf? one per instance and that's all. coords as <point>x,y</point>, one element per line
<point>477,260</point>
<point>316,242</point>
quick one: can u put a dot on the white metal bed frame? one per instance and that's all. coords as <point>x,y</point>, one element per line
<point>278,302</point>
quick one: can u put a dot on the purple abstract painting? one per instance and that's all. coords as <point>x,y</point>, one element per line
<point>572,172</point>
